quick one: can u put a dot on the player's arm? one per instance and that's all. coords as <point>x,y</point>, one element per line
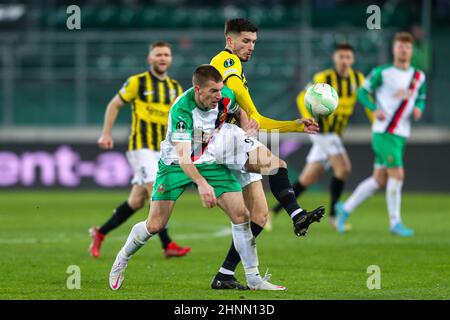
<point>366,91</point>
<point>249,125</point>
<point>127,93</point>
<point>206,192</point>
<point>419,104</point>
<point>245,102</point>
<point>112,110</point>
<point>181,136</point>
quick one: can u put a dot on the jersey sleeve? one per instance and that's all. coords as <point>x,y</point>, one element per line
<point>228,66</point>
<point>129,90</point>
<point>181,123</point>
<point>420,100</point>
<point>373,80</point>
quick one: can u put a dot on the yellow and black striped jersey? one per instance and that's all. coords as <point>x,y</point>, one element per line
<point>346,87</point>
<point>150,100</point>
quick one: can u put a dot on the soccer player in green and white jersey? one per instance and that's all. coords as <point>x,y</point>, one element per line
<point>399,91</point>
<point>185,160</point>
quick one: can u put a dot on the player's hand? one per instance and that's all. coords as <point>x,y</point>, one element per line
<point>105,142</point>
<point>311,125</point>
<point>207,195</point>
<point>252,128</point>
<point>378,114</point>
<point>417,114</point>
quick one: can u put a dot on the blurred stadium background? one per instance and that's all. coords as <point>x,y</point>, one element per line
<point>54,88</point>
<point>56,83</point>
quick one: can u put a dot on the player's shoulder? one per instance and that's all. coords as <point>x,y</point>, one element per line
<point>185,102</point>
<point>225,59</point>
<point>322,75</point>
<point>173,81</point>
<point>138,75</point>
<point>421,72</point>
<point>381,68</point>
<point>227,92</point>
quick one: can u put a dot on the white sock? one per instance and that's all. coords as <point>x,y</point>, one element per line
<point>137,239</point>
<point>364,190</point>
<point>245,245</point>
<point>394,199</point>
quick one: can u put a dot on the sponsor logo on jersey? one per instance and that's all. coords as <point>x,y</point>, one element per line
<point>228,63</point>
<point>227,72</point>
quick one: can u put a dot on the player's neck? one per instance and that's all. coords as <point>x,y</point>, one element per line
<point>160,76</point>
<point>402,64</point>
<point>198,103</point>
<point>343,73</point>
<point>227,48</point>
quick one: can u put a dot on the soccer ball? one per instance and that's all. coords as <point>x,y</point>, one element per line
<point>321,100</point>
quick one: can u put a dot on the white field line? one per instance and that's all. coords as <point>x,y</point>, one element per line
<point>64,237</point>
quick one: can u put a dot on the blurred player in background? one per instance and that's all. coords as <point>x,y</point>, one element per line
<point>399,92</point>
<point>327,147</point>
<point>150,94</point>
<point>241,36</point>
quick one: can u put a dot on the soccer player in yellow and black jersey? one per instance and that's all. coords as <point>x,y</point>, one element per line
<point>327,147</point>
<point>150,94</point>
<point>241,35</point>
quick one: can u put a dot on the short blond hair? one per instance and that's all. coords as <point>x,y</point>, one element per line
<point>403,37</point>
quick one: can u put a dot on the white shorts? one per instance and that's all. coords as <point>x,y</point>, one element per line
<point>230,147</point>
<point>144,163</point>
<point>325,145</point>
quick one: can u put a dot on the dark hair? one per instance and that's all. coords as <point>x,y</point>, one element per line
<point>204,73</point>
<point>159,43</point>
<point>343,46</point>
<point>239,25</point>
<point>403,37</point>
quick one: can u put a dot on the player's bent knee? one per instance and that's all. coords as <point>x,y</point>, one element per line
<point>154,227</point>
<point>137,202</point>
<point>259,219</point>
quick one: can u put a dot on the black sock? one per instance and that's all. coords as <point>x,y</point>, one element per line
<point>164,237</point>
<point>233,258</point>
<point>120,215</point>
<point>336,188</point>
<point>282,190</point>
<point>298,190</point>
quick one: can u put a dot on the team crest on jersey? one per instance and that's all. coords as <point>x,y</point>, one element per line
<point>161,189</point>
<point>228,63</point>
<point>181,126</point>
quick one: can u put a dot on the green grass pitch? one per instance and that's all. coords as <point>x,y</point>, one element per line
<point>42,233</point>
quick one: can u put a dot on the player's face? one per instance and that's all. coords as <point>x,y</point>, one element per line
<point>209,94</point>
<point>343,60</point>
<point>243,45</point>
<point>402,51</point>
<point>160,58</point>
